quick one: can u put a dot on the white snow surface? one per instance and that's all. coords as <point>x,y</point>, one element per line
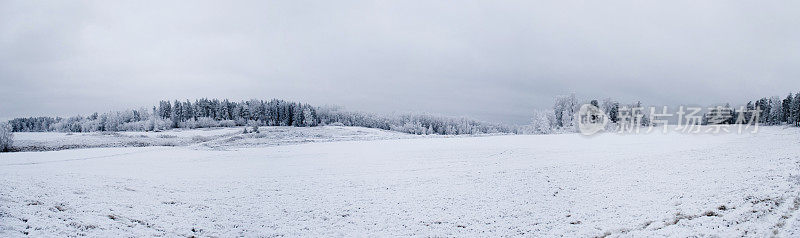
<point>214,138</point>
<point>286,135</point>
<point>46,141</point>
<point>515,185</point>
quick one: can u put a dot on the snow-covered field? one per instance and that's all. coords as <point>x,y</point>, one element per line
<point>216,138</point>
<point>516,185</point>
<point>45,141</point>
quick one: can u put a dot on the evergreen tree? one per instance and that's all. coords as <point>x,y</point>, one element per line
<point>164,109</point>
<point>748,114</point>
<point>245,113</point>
<point>223,112</point>
<point>795,110</point>
<point>175,114</point>
<point>787,107</point>
<point>776,110</point>
<point>188,111</point>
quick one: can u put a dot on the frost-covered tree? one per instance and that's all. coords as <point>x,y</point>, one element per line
<point>795,110</point>
<point>151,124</point>
<point>32,124</point>
<point>245,113</point>
<point>6,137</point>
<point>611,108</point>
<point>766,111</point>
<point>567,122</point>
<point>214,112</point>
<point>223,110</point>
<point>309,117</point>
<point>564,111</point>
<point>175,114</point>
<point>188,111</point>
<point>643,112</point>
<point>786,106</point>
<point>164,109</point>
<point>776,110</point>
<point>297,116</point>
<point>542,122</point>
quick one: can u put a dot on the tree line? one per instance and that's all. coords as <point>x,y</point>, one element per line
<point>225,113</point>
<point>771,111</point>
<point>561,118</point>
<point>777,111</point>
<point>205,112</point>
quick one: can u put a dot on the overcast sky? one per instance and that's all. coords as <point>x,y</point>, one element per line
<point>492,60</point>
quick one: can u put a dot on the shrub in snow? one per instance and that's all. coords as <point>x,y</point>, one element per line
<point>241,122</point>
<point>254,125</point>
<point>161,124</point>
<point>205,122</point>
<point>259,135</point>
<point>198,139</point>
<point>227,123</point>
<point>135,126</point>
<point>191,123</point>
<point>6,137</point>
<point>106,133</point>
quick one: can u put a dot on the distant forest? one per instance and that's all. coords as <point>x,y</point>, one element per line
<point>203,113</point>
<point>561,118</point>
<point>225,113</point>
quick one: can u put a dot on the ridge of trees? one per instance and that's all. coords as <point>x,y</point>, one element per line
<point>225,113</point>
<point>561,119</point>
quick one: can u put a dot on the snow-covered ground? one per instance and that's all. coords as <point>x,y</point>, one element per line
<point>285,135</point>
<point>45,141</point>
<point>517,185</point>
<point>216,138</point>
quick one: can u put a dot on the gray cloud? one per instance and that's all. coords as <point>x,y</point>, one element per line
<point>493,60</point>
